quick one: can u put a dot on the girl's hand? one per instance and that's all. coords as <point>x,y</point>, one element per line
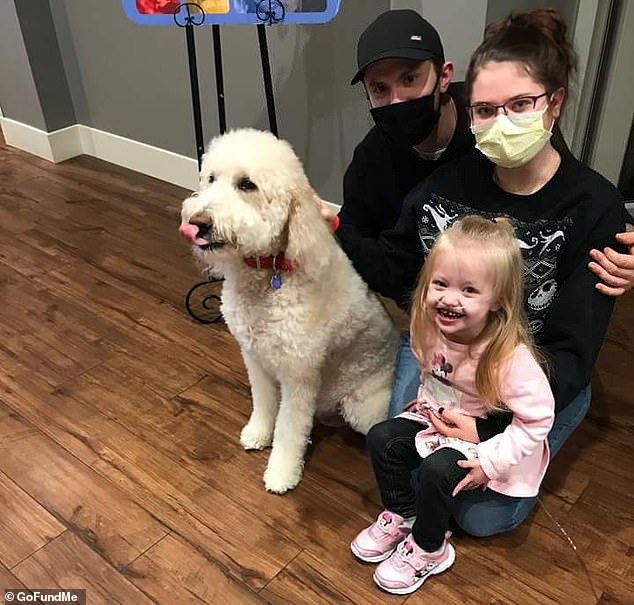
<point>475,478</point>
<point>455,424</point>
<point>616,270</point>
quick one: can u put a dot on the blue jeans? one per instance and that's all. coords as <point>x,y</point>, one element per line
<point>406,378</point>
<point>486,513</point>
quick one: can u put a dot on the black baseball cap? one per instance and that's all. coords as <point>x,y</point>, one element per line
<point>398,34</point>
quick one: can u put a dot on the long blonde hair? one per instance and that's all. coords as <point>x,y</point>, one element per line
<point>506,327</point>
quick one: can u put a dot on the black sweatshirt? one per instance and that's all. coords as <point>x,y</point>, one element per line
<point>577,210</point>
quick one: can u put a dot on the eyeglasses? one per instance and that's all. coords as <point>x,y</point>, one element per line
<point>483,112</point>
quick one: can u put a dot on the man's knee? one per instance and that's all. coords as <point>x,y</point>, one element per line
<point>483,519</point>
<point>478,530</point>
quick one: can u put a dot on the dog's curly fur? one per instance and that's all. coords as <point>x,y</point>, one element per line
<point>321,343</point>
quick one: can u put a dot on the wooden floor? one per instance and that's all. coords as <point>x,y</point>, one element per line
<point>120,466</point>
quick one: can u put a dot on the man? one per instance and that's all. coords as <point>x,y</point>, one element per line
<point>421,123</point>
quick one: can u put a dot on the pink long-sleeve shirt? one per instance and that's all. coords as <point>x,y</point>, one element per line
<point>515,460</point>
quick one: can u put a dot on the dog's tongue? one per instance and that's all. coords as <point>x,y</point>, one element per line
<point>188,231</point>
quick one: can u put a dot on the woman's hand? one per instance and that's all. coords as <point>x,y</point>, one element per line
<point>616,270</point>
<point>455,424</point>
<point>475,478</point>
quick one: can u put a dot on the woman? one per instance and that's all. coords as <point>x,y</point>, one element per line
<point>517,83</point>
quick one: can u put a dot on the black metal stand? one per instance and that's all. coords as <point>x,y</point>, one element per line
<point>220,83</point>
<point>268,82</point>
<point>188,22</point>
<point>202,300</point>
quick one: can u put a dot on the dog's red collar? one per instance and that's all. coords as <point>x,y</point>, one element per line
<point>277,263</point>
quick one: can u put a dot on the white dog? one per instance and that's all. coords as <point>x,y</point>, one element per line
<point>313,338</point>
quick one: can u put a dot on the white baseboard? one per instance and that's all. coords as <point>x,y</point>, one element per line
<point>27,138</point>
<point>66,143</point>
<point>153,161</point>
<point>78,139</point>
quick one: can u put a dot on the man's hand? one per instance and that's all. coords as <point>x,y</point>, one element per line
<point>327,214</point>
<point>455,424</point>
<point>616,270</point>
<point>475,478</point>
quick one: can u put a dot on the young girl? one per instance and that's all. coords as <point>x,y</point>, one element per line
<point>468,333</point>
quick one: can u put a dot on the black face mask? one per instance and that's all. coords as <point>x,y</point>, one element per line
<point>410,122</point>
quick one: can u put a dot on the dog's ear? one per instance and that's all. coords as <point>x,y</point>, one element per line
<point>310,241</point>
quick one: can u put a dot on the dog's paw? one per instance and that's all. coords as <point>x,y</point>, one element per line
<point>279,478</point>
<point>254,437</point>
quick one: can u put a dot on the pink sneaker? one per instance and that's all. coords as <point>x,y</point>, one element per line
<point>377,542</point>
<point>410,566</point>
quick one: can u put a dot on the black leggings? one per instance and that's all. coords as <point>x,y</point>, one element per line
<point>426,494</point>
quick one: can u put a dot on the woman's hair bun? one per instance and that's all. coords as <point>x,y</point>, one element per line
<point>545,20</point>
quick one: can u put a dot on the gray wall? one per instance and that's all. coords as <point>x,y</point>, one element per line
<point>459,22</point>
<point>18,96</point>
<point>94,65</point>
<point>133,81</point>
<point>85,61</point>
<point>40,41</point>
<point>499,9</point>
<point>616,110</point>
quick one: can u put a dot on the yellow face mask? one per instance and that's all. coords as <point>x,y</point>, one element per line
<point>512,142</point>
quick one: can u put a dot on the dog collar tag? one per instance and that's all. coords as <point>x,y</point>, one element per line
<point>276,281</point>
